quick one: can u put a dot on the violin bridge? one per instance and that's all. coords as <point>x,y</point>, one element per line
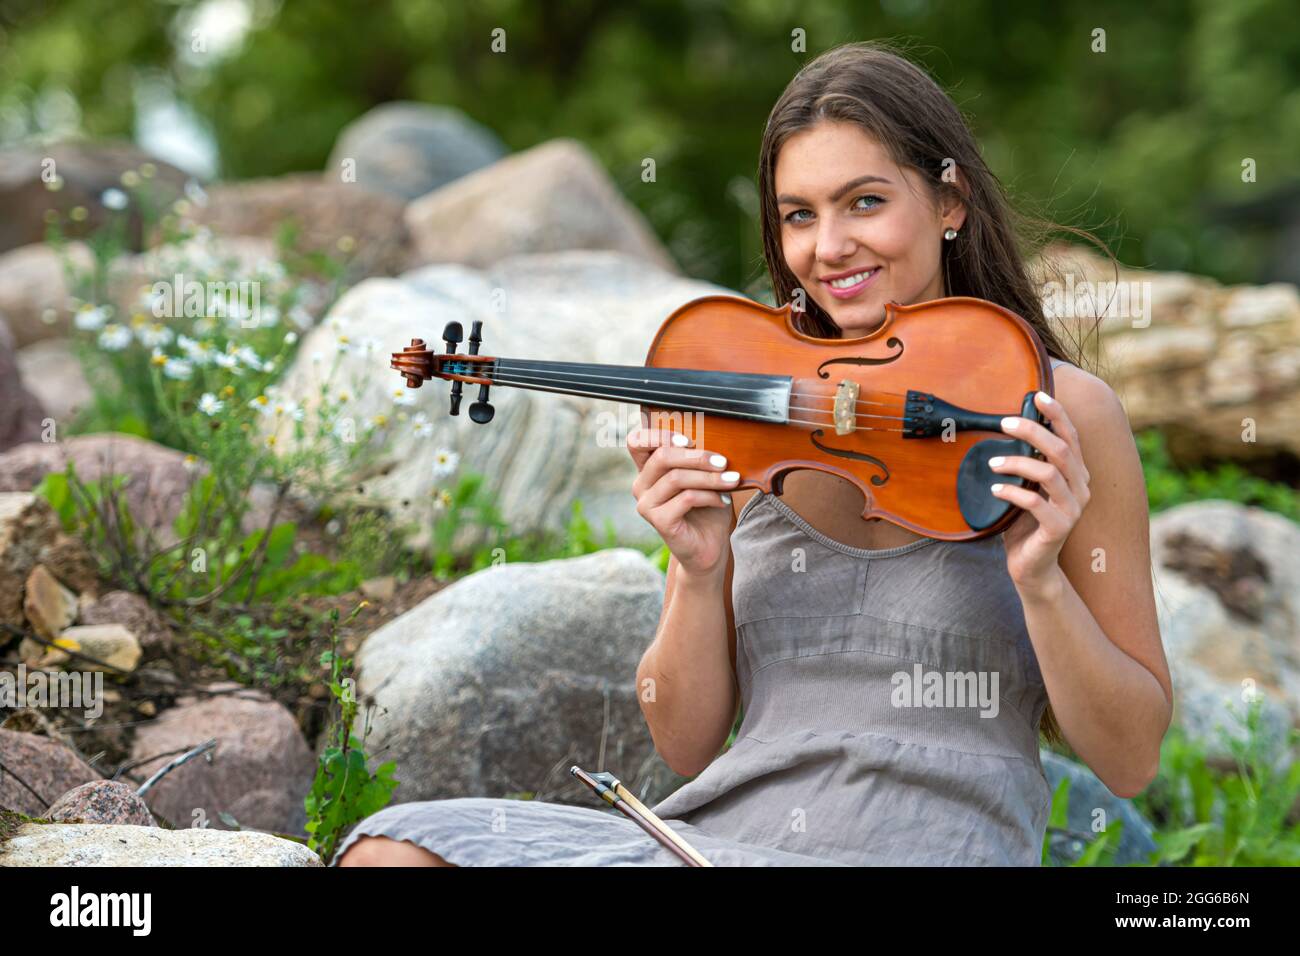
<point>846,407</point>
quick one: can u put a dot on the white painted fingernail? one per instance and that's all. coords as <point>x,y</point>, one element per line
<point>731,476</point>
<point>996,460</point>
<point>1047,399</point>
<point>726,498</point>
<point>718,461</point>
<point>680,440</point>
<point>1010,424</point>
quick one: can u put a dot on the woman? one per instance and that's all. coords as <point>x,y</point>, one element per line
<point>873,191</point>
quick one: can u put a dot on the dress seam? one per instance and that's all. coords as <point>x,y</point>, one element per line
<point>902,743</point>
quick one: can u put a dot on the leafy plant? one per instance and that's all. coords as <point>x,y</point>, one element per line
<point>1168,485</point>
<point>1213,817</point>
<point>344,790</point>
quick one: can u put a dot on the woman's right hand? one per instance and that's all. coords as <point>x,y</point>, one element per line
<point>682,492</point>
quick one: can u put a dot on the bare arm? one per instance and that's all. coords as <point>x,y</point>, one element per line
<point>686,681</point>
<point>687,677</point>
<point>1094,627</point>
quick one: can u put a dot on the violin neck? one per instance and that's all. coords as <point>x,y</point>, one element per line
<point>763,398</point>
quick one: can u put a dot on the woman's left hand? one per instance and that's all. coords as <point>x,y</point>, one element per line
<point>1034,541</point>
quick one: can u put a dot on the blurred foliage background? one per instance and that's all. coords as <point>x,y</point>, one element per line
<point>1143,143</point>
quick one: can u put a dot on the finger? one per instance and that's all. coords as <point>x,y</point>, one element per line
<point>669,456</point>
<point>1047,475</point>
<point>1050,518</point>
<point>1054,448</point>
<point>642,443</point>
<point>677,480</point>
<point>1055,413</point>
<point>1063,427</point>
<point>668,515</point>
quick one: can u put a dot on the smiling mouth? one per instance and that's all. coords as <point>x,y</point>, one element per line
<point>851,285</point>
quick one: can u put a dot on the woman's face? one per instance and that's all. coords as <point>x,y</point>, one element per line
<point>857,230</point>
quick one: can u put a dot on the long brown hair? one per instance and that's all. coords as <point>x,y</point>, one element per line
<point>902,107</point>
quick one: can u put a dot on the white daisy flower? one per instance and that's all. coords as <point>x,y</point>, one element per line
<point>177,368</point>
<point>115,337</point>
<point>290,338</point>
<point>153,335</point>
<point>289,410</point>
<point>444,462</point>
<point>424,430</point>
<point>113,198</point>
<point>227,361</point>
<point>249,358</point>
<point>209,404</point>
<point>91,318</point>
<point>403,396</point>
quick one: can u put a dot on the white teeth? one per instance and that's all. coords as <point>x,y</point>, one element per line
<point>852,280</point>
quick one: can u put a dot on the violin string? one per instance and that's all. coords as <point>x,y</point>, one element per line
<point>569,375</point>
<point>532,383</point>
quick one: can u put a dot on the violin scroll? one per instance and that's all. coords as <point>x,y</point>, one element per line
<point>416,363</point>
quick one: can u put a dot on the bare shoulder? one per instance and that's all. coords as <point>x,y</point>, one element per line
<point>1091,403</point>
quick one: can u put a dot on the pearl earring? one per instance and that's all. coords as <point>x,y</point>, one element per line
<point>950,233</point>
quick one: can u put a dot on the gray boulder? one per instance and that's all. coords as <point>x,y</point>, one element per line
<point>549,198</point>
<point>406,149</point>
<point>1228,598</point>
<point>497,684</point>
<point>96,844</point>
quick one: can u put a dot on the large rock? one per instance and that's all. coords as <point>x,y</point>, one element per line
<point>498,683</point>
<point>1205,362</point>
<point>51,371</point>
<point>260,772</point>
<point>21,414</point>
<point>545,199</point>
<point>542,450</point>
<point>46,767</point>
<point>407,149</point>
<point>345,221</point>
<point>158,477</point>
<point>96,844</point>
<point>1228,597</point>
<point>36,291</point>
<point>84,172</point>
<point>102,801</point>
<point>31,535</point>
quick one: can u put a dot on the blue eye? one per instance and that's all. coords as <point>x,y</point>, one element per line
<point>876,202</point>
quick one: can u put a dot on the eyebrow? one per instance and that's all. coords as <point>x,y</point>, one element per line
<point>835,196</point>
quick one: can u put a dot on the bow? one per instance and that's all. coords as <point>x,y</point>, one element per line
<point>610,789</point>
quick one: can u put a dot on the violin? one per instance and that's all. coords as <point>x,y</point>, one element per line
<point>904,412</point>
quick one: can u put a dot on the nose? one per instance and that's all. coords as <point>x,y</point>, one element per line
<point>835,241</point>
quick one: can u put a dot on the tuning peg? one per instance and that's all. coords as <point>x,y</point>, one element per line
<point>452,334</point>
<point>480,411</point>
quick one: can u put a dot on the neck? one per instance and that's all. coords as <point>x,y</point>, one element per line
<point>752,396</point>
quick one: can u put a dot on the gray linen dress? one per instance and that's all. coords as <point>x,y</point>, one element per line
<point>828,767</point>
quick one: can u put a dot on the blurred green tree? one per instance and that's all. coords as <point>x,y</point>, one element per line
<point>1144,141</point>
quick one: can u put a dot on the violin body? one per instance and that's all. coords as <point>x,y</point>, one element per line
<point>910,413</point>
